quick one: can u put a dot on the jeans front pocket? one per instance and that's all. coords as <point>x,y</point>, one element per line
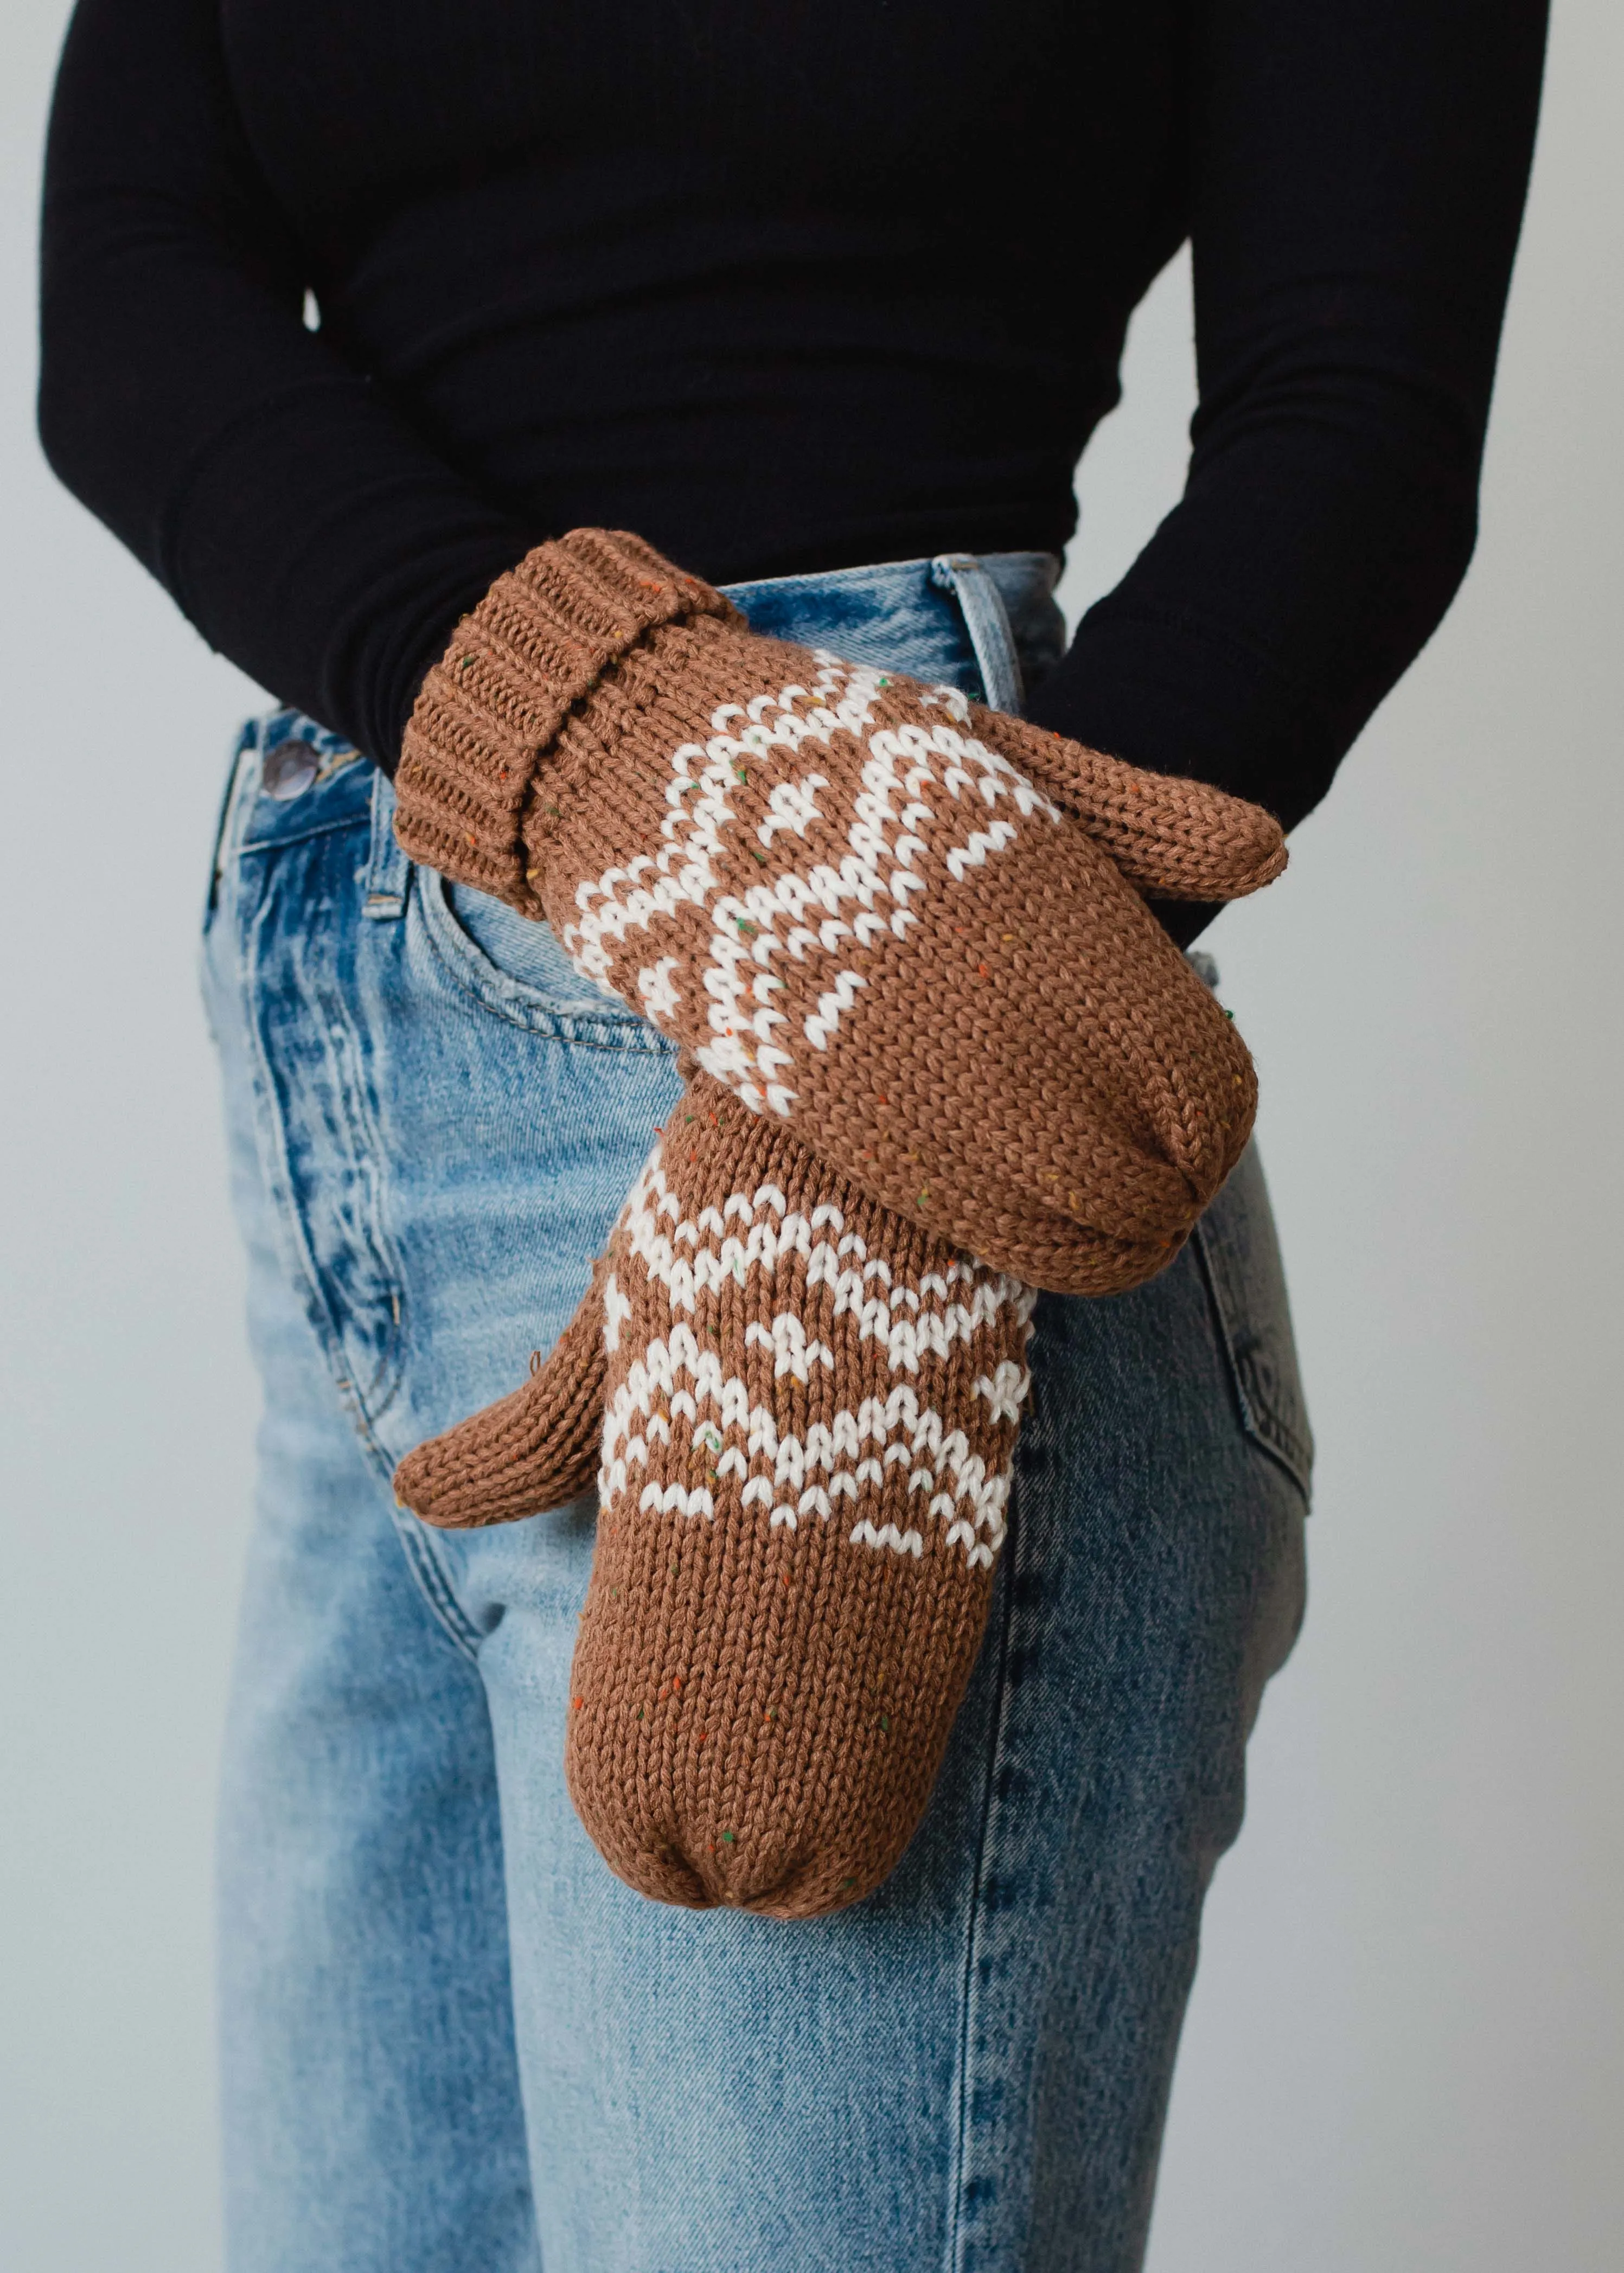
<point>516,968</point>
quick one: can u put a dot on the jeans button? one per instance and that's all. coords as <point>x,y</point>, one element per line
<point>288,771</point>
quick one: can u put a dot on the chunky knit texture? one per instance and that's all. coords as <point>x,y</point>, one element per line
<point>848,894</point>
<point>803,1410</point>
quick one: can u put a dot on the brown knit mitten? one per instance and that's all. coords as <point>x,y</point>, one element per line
<point>844,892</point>
<point>807,1409</point>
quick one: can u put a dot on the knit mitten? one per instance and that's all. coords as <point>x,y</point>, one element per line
<point>843,890</point>
<point>802,1409</point>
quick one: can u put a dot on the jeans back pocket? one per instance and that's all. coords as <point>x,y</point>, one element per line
<point>1240,1255</point>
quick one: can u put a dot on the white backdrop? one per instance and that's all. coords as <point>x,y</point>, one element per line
<point>1406,2047</point>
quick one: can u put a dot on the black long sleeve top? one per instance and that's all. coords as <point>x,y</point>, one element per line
<point>785,287</point>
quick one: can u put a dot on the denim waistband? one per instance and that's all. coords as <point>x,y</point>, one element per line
<point>986,623</point>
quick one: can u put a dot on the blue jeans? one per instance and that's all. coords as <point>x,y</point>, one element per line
<point>453,2042</point>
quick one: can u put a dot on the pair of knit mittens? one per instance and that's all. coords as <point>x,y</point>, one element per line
<point>939,1053</point>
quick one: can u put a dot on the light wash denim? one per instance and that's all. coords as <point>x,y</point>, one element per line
<point>452,2042</point>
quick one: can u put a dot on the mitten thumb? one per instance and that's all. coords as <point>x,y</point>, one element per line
<point>536,1448</point>
<point>1172,839</point>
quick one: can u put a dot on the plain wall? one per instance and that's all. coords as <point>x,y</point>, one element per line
<point>1404,2046</point>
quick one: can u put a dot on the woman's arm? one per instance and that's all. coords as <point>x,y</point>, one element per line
<point>183,400</point>
<point>1357,176</point>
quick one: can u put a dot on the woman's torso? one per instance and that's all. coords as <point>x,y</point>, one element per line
<point>870,264</point>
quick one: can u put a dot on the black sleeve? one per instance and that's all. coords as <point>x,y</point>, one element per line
<point>1358,170</point>
<point>183,400</point>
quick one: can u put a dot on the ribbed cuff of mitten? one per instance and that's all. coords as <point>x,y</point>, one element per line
<point>537,644</point>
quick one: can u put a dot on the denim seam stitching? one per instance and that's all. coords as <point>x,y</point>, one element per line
<point>1264,1426</point>
<point>331,826</point>
<point>416,1544</point>
<point>549,1024</point>
<point>364,1153</point>
<point>954,2258</point>
<point>434,1582</point>
<point>270,1132</point>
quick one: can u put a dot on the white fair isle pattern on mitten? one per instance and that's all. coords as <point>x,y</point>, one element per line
<point>927,796</point>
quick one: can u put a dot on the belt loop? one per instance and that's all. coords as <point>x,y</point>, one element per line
<point>388,871</point>
<point>242,781</point>
<point>987,621</point>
